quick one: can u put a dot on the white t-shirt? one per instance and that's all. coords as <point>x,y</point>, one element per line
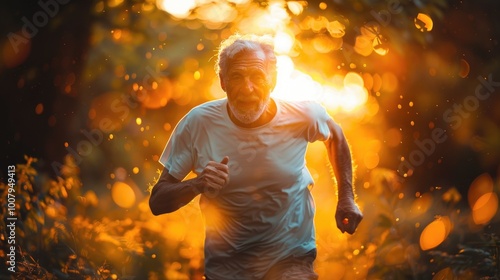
<point>266,211</point>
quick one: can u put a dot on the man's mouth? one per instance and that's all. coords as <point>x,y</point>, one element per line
<point>247,104</point>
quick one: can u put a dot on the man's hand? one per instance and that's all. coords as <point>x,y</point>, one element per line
<point>214,177</point>
<point>348,216</point>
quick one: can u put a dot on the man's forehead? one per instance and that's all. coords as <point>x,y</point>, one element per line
<point>248,59</point>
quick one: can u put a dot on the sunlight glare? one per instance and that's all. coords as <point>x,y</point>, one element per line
<point>216,12</point>
<point>179,9</point>
<point>283,42</point>
<point>238,2</point>
<point>354,96</point>
<point>276,16</point>
<point>295,85</point>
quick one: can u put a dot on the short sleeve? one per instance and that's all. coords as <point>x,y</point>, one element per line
<point>177,155</point>
<point>318,129</point>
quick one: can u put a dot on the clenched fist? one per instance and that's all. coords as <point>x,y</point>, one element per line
<point>348,216</point>
<point>214,177</point>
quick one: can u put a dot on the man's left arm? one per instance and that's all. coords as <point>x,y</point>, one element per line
<point>347,215</point>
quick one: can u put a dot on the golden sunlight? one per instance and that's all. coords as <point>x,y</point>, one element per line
<point>274,17</point>
<point>216,12</point>
<point>293,84</point>
<point>179,9</point>
<point>283,42</point>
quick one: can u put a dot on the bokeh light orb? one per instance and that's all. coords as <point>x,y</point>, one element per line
<point>423,22</point>
<point>485,208</point>
<point>435,233</point>
<point>123,195</point>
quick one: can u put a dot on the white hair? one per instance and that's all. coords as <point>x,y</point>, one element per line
<point>236,44</point>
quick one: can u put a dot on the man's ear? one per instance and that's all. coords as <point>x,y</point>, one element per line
<point>222,84</point>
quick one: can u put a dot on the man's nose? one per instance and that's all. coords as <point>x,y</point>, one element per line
<point>248,86</point>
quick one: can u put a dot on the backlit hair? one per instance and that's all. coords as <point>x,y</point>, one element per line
<point>236,44</point>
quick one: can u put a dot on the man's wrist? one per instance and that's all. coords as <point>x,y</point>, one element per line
<point>195,185</point>
<point>346,196</point>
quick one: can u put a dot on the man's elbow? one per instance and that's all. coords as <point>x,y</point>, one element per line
<point>159,209</point>
<point>154,209</point>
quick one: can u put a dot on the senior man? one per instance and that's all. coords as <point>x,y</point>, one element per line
<point>248,152</point>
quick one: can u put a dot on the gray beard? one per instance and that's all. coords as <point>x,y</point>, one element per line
<point>248,117</point>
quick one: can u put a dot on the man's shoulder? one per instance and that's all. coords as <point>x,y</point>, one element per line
<point>301,107</point>
<point>208,109</point>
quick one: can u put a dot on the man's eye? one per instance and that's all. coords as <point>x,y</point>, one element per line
<point>236,76</point>
<point>258,78</point>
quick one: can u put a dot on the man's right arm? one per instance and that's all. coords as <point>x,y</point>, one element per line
<point>170,193</point>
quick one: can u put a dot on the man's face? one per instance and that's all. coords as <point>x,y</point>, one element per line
<point>248,85</point>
